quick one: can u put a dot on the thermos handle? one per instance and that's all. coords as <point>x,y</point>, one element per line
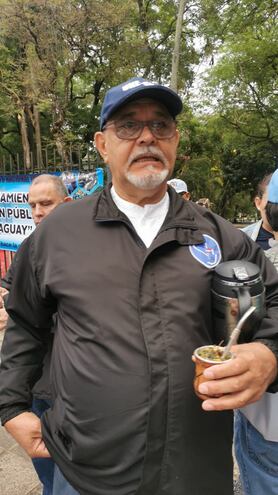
<point>244,300</point>
<point>244,303</point>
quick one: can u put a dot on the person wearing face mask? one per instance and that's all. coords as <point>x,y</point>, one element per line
<point>256,425</point>
<point>128,273</point>
<point>261,231</point>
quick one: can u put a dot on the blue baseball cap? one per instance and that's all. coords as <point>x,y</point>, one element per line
<point>135,88</point>
<point>272,190</point>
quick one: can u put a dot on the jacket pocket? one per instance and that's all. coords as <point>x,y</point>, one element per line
<point>110,443</point>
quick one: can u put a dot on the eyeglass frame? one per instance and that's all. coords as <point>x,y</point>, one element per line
<point>143,124</point>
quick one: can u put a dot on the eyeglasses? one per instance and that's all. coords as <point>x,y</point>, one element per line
<point>132,129</point>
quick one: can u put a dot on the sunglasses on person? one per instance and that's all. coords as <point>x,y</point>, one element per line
<point>132,129</point>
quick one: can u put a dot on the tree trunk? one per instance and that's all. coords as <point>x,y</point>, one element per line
<point>58,134</point>
<point>144,27</point>
<point>176,51</point>
<point>24,139</point>
<point>34,117</point>
<point>37,127</point>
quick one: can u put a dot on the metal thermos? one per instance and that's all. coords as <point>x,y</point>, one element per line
<point>237,285</point>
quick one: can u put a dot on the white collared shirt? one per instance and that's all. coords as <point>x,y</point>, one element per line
<point>146,220</point>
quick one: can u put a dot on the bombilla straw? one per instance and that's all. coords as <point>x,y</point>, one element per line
<point>235,333</point>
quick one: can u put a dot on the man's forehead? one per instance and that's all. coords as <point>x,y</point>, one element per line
<point>135,106</point>
<point>42,189</point>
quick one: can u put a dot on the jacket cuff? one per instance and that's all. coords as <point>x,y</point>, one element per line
<point>10,412</point>
<point>273,346</point>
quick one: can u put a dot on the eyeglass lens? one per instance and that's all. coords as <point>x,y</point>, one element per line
<point>132,129</point>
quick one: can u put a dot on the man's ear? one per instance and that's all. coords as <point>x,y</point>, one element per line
<point>66,199</point>
<point>257,202</point>
<point>100,143</point>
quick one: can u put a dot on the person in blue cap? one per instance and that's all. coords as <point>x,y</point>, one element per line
<point>256,425</point>
<point>128,273</point>
<point>271,211</point>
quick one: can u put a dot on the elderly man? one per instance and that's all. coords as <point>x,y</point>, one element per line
<point>46,193</point>
<point>126,273</point>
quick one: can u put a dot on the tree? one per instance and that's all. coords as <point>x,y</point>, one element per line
<point>56,42</point>
<point>58,58</point>
<point>240,91</point>
<point>176,51</point>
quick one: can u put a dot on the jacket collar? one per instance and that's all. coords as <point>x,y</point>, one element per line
<point>179,224</point>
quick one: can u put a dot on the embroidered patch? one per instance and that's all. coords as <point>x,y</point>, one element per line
<point>208,253</point>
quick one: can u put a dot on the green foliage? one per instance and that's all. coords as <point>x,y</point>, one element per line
<point>58,58</point>
<point>240,92</point>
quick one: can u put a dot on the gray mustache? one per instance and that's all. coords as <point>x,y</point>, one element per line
<point>156,153</point>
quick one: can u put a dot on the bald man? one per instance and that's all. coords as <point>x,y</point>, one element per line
<point>45,194</point>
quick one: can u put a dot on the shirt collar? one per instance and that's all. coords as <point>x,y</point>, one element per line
<point>150,209</point>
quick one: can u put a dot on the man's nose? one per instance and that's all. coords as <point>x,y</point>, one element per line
<point>37,211</point>
<point>146,136</point>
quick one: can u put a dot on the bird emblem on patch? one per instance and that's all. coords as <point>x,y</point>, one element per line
<point>208,253</point>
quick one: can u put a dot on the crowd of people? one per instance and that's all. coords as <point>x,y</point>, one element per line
<point>105,303</point>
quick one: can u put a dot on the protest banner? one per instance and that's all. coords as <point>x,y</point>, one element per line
<point>16,221</point>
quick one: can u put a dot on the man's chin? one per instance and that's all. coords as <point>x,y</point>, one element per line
<point>148,181</point>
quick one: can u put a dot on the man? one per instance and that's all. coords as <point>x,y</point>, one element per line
<point>180,187</point>
<point>261,231</point>
<point>46,193</point>
<point>126,273</point>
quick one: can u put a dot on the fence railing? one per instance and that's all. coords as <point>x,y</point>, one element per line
<point>78,156</point>
<point>82,158</point>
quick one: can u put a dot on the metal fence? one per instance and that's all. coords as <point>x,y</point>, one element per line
<point>78,156</point>
<point>81,158</point>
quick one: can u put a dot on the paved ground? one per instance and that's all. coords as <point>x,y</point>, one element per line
<point>17,475</point>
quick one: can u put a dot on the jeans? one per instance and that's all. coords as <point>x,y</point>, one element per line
<point>60,485</point>
<point>44,467</point>
<point>257,459</point>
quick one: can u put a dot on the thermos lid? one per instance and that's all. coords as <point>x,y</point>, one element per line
<point>237,271</point>
<point>230,275</point>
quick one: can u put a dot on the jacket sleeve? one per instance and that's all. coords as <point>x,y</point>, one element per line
<point>25,341</point>
<point>22,355</point>
<point>6,281</point>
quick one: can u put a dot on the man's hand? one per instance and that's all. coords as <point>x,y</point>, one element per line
<point>26,430</point>
<point>3,312</point>
<point>240,381</point>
